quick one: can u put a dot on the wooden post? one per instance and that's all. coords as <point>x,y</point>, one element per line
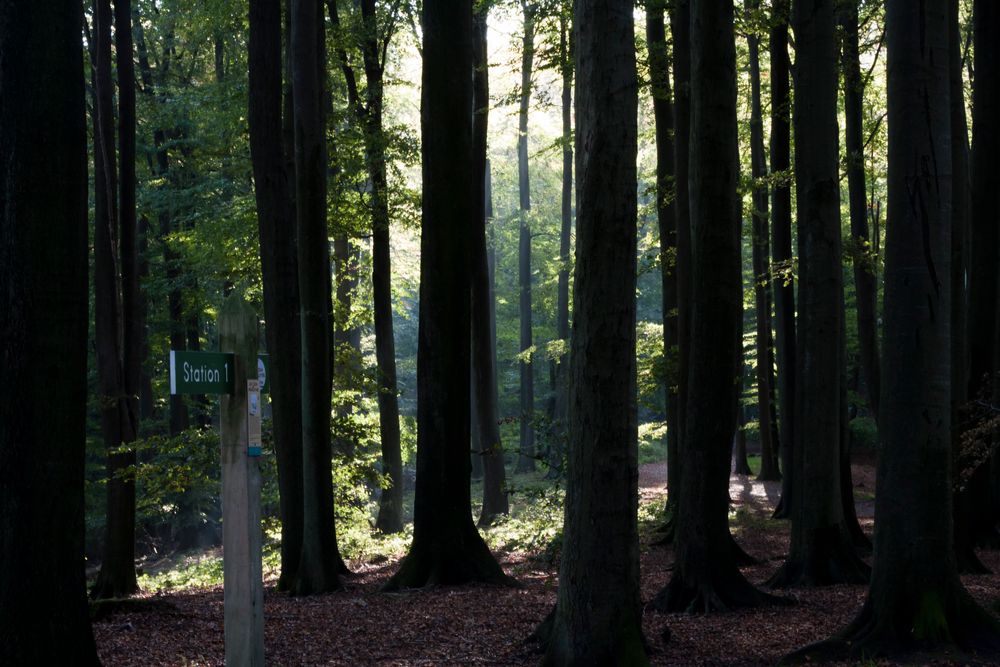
<point>241,529</point>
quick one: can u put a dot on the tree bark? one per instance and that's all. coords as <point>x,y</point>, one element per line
<point>320,563</point>
<point>916,600</point>
<point>865,287</point>
<point>666,212</point>
<point>598,613</point>
<point>43,335</point>
<point>781,212</point>
<point>761,263</point>
<point>821,550</point>
<point>975,520</point>
<point>526,460</point>
<point>447,548</point>
<point>119,412</point>
<point>278,258</point>
<point>706,577</point>
<point>557,445</point>
<point>485,415</point>
<point>680,29</point>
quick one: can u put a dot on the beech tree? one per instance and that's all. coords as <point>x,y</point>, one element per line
<point>278,252</point>
<point>680,30</point>
<point>821,549</point>
<point>485,414</point>
<point>43,335</point>
<point>865,286</point>
<point>916,600</point>
<point>116,294</point>
<point>597,618</point>
<point>320,564</point>
<point>705,576</point>
<point>526,460</point>
<point>781,248</point>
<point>761,260</point>
<point>666,213</point>
<point>446,548</point>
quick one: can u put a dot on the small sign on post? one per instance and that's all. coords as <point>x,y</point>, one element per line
<point>253,418</point>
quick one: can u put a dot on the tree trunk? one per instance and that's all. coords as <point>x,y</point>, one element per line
<point>866,290</point>
<point>179,419</point>
<point>598,614</point>
<point>916,600</point>
<point>821,550</point>
<point>557,445</point>
<point>390,511</point>
<point>680,25</point>
<point>43,335</point>
<point>784,289</point>
<point>447,548</point>
<point>706,577</point>
<point>666,212</point>
<point>526,460</point>
<point>278,258</point>
<point>119,412</point>
<point>485,417</point>
<point>320,563</point>
<point>761,263</point>
<point>975,517</point>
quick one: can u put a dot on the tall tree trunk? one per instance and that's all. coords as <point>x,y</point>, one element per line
<point>916,601</point>
<point>485,416</point>
<point>43,335</point>
<point>964,503</point>
<point>821,550</point>
<point>390,511</point>
<point>680,30</point>
<point>179,418</point>
<point>320,562</point>
<point>446,548</point>
<point>526,460</point>
<point>598,614</point>
<point>278,258</point>
<point>866,291</point>
<point>666,212</point>
<point>984,242</point>
<point>781,211</point>
<point>558,440</point>
<point>119,412</point>
<point>706,577</point>
<point>761,263</point>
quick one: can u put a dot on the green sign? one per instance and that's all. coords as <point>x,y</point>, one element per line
<point>210,372</point>
<point>202,372</point>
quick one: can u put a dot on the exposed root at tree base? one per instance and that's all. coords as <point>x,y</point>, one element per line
<point>928,630</point>
<point>424,567</point>
<point>732,592</point>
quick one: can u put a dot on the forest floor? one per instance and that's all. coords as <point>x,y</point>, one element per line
<point>472,625</point>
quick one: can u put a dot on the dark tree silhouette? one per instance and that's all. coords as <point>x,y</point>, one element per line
<point>706,577</point>
<point>916,600</point>
<point>485,415</point>
<point>821,549</point>
<point>597,618</point>
<point>320,563</point>
<point>447,548</point>
<point>43,335</point>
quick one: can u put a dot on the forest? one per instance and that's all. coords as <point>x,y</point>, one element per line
<point>587,332</point>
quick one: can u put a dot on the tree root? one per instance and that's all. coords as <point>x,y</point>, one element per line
<point>728,593</point>
<point>923,632</point>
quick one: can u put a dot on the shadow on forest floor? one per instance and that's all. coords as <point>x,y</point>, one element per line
<point>485,625</point>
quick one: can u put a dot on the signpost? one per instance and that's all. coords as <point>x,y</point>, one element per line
<point>233,374</point>
<point>211,372</point>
